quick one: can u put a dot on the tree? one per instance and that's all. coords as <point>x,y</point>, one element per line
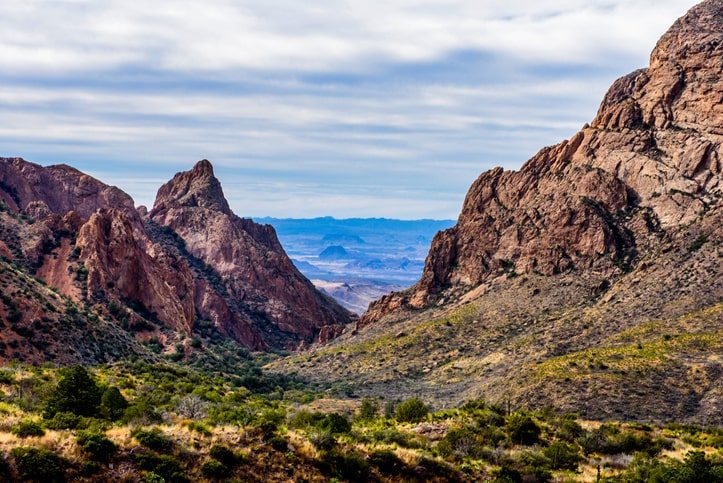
<point>77,392</point>
<point>113,404</point>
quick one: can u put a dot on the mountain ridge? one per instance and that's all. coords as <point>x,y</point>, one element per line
<point>590,279</point>
<point>89,241</point>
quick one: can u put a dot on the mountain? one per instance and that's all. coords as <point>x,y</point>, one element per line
<point>358,260</point>
<point>189,265</point>
<point>589,280</point>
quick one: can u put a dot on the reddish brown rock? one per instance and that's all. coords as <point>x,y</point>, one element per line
<point>261,282</point>
<point>650,161</point>
<point>118,268</point>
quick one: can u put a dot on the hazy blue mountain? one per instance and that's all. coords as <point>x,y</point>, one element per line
<point>367,257</point>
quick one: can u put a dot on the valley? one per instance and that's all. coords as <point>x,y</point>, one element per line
<point>568,326</point>
<point>357,261</point>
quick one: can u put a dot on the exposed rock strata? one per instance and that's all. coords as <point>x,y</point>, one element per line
<point>649,163</point>
<point>87,240</point>
<point>264,288</point>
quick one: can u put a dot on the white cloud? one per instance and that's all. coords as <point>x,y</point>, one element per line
<point>405,101</point>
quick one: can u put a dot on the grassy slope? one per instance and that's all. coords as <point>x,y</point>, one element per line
<point>647,348</point>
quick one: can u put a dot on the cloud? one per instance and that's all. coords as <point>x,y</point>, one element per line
<point>312,108</point>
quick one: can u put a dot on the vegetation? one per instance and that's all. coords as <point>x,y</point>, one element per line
<point>163,422</point>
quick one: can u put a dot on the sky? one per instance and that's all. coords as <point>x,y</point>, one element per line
<point>355,108</point>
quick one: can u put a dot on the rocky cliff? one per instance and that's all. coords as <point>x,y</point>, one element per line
<point>649,164</point>
<point>591,280</point>
<point>192,262</point>
<point>256,280</point>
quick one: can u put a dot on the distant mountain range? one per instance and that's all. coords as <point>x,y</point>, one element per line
<point>358,260</point>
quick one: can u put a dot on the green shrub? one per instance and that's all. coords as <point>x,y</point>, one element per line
<point>97,445</point>
<point>322,440</point>
<point>411,411</point>
<point>563,456</point>
<point>304,419</point>
<point>7,377</point>
<point>214,469</point>
<point>521,429</point>
<point>163,465</point>
<point>506,474</point>
<point>200,428</point>
<point>335,423</point>
<point>27,428</point>
<point>142,412</point>
<point>224,455</point>
<point>153,477</point>
<point>460,443</point>
<point>369,410</point>
<point>351,467</point>
<point>39,465</point>
<point>392,436</point>
<point>387,462</point>
<point>63,420</point>
<point>154,439</point>
<point>570,430</point>
<point>278,443</point>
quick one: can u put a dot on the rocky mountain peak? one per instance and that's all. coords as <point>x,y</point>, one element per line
<point>250,286</point>
<point>198,187</point>
<point>682,86</point>
<point>649,165</point>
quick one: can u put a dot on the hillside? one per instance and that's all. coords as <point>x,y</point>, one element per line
<point>590,279</point>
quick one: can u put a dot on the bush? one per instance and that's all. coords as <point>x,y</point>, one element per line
<point>305,419</point>
<point>335,423</point>
<point>563,456</point>
<point>7,377</point>
<point>323,440</point>
<point>214,469</point>
<point>460,443</point>
<point>387,462</point>
<point>97,445</point>
<point>506,474</point>
<point>351,467</point>
<point>63,420</point>
<point>142,412</point>
<point>278,443</point>
<point>153,439</point>
<point>411,411</point>
<point>27,428</point>
<point>224,455</point>
<point>369,410</point>
<point>164,466</point>
<point>39,465</point>
<point>522,429</point>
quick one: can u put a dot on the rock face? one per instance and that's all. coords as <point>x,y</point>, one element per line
<point>255,280</point>
<point>649,164</point>
<point>191,257</point>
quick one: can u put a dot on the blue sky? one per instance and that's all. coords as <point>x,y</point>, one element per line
<point>357,108</point>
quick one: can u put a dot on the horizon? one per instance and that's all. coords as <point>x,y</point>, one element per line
<point>305,118</point>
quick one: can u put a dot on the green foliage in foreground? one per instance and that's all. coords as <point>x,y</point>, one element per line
<point>174,424</point>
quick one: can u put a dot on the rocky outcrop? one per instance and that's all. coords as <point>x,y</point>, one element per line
<point>59,189</point>
<point>116,267</point>
<point>650,163</point>
<point>251,272</point>
<point>88,240</point>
